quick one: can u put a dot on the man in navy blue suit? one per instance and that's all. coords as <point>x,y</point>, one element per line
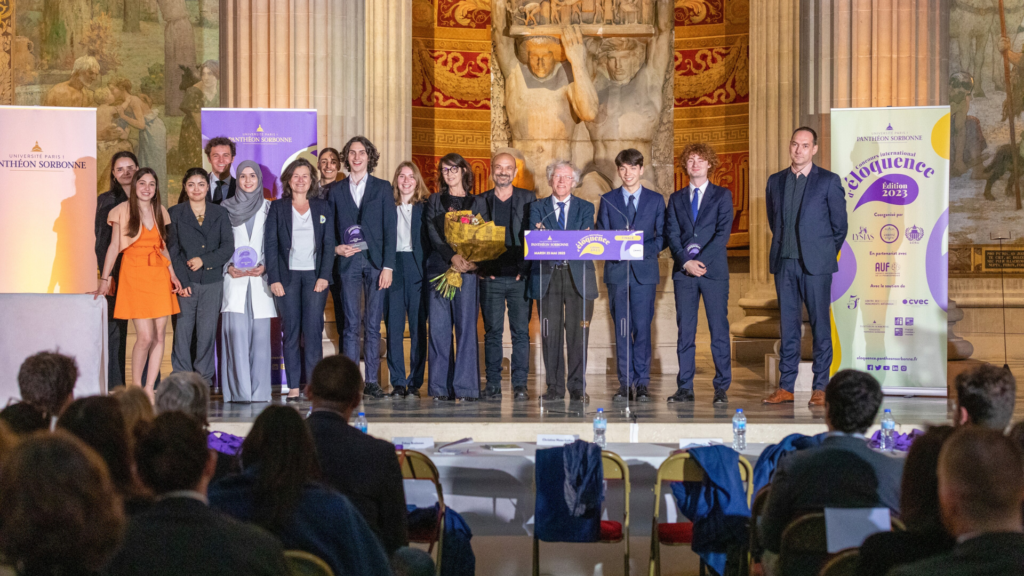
<point>366,230</point>
<point>632,285</point>
<point>806,208</point>
<point>699,222</point>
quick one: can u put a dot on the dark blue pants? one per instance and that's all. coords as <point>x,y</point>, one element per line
<point>362,305</point>
<point>458,376</point>
<point>406,298</point>
<point>302,313</point>
<point>794,289</point>
<point>640,305</point>
<point>495,296</point>
<point>689,291</point>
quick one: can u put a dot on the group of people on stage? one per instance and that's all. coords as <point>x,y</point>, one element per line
<point>226,259</point>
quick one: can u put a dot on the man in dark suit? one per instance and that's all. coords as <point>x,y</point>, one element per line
<point>807,215</point>
<point>699,222</point>
<point>220,151</point>
<point>565,291</point>
<point>503,280</point>
<point>981,489</point>
<point>359,466</point>
<point>843,472</point>
<point>365,229</point>
<point>179,534</point>
<point>632,285</point>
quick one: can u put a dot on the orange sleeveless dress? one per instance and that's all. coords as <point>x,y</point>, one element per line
<point>144,285</point>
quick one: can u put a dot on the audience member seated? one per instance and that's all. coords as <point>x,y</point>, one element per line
<point>412,562</point>
<point>277,491</point>
<point>97,421</point>
<point>359,466</point>
<point>919,510</point>
<point>843,472</point>
<point>985,397</point>
<point>136,409</point>
<point>60,512</point>
<point>179,534</point>
<point>47,381</point>
<point>188,392</point>
<point>981,490</point>
<point>23,418</point>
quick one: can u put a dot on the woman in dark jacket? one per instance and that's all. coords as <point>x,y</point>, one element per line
<point>203,244</point>
<point>299,248</point>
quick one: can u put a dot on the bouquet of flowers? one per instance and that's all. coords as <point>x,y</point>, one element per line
<point>474,240</point>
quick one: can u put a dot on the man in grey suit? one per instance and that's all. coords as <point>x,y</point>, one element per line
<point>843,472</point>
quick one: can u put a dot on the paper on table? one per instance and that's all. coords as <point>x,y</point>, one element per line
<point>849,527</point>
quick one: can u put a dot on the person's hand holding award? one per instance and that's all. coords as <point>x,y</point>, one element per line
<point>352,242</point>
<point>692,266</point>
<point>243,261</point>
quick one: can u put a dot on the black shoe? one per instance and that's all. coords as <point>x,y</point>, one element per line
<point>443,399</point>
<point>681,396</point>
<point>491,394</point>
<point>412,392</point>
<point>720,397</point>
<point>642,395</point>
<point>579,397</point>
<point>552,395</point>
<point>372,390</point>
<point>290,399</point>
<point>398,392</point>
<point>520,394</point>
<point>620,396</point>
<point>467,398</point>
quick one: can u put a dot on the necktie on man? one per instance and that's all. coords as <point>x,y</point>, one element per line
<point>561,215</point>
<point>631,210</point>
<point>695,204</point>
<point>218,192</point>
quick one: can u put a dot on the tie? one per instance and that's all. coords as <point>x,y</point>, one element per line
<point>695,204</point>
<point>217,192</point>
<point>561,215</point>
<point>631,209</point>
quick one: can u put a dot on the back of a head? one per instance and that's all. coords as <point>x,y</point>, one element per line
<point>172,454</point>
<point>981,480</point>
<point>24,418</point>
<point>336,379</point>
<point>409,561</point>
<point>97,421</point>
<point>47,380</point>
<point>60,513</point>
<point>987,393</point>
<point>184,392</point>
<point>852,399</point>
<point>919,491</point>
<point>135,407</point>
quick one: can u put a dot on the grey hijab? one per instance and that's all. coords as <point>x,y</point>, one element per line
<point>243,204</point>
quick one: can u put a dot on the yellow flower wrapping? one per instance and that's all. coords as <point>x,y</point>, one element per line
<point>475,242</point>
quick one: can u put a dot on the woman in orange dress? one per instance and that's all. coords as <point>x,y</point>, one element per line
<point>147,281</point>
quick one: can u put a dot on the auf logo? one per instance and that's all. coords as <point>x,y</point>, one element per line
<point>852,304</point>
<point>915,234</point>
<point>887,267</point>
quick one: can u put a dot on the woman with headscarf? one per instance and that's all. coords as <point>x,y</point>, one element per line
<point>248,305</point>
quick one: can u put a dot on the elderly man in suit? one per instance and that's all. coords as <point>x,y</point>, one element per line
<point>807,215</point>
<point>632,285</point>
<point>565,291</point>
<point>699,222</point>
<point>365,230</point>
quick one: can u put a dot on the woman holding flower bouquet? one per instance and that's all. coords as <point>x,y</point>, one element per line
<point>451,376</point>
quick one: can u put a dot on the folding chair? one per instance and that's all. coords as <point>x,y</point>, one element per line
<point>302,563</point>
<point>804,548</point>
<point>843,564</point>
<point>756,510</point>
<point>418,466</point>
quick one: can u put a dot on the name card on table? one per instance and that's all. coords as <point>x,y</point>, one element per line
<point>414,443</point>
<point>695,442</point>
<point>584,245</point>
<point>556,439</point>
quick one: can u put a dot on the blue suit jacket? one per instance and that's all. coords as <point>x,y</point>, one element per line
<point>277,242</point>
<point>711,231</point>
<point>650,217</point>
<point>376,214</point>
<point>821,221</point>
<point>584,274</point>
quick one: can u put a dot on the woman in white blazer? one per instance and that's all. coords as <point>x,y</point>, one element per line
<point>248,304</point>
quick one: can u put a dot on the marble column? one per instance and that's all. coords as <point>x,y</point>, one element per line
<point>388,77</point>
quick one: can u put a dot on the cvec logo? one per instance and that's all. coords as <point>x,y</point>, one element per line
<point>915,302</point>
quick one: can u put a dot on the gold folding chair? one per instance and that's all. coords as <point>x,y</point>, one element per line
<point>679,467</point>
<point>614,468</point>
<point>843,564</point>
<point>302,563</point>
<point>418,466</point>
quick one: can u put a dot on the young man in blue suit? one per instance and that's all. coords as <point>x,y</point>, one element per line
<point>632,285</point>
<point>806,208</point>
<point>699,222</point>
<point>365,230</point>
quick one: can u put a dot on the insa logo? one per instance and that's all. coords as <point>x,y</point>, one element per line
<point>913,301</point>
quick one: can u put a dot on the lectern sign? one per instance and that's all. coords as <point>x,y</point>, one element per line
<point>584,245</point>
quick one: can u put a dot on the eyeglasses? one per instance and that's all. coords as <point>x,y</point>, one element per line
<point>563,177</point>
<point>450,170</point>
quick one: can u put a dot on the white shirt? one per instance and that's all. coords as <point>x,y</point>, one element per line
<point>698,193</point>
<point>357,188</point>
<point>303,253</point>
<point>554,203</point>
<point>404,243</point>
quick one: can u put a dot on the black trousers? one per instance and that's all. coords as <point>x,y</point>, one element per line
<point>564,317</point>
<point>117,343</point>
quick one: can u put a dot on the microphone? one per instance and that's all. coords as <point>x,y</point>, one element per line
<point>629,226</point>
<point>546,214</point>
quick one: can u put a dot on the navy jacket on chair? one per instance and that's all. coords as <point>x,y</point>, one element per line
<point>711,231</point>
<point>553,521</point>
<point>580,217</point>
<point>213,243</point>
<point>821,222</point>
<point>277,241</point>
<point>650,217</point>
<point>375,213</point>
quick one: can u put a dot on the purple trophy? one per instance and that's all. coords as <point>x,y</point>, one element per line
<point>244,258</point>
<point>692,251</point>
<point>354,237</point>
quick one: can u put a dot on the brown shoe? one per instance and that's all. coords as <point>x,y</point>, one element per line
<point>780,396</point>
<point>817,398</point>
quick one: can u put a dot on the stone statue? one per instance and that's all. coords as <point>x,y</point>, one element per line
<point>544,98</point>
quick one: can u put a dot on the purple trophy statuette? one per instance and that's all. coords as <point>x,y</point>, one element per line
<point>245,258</point>
<point>692,250</point>
<point>354,237</point>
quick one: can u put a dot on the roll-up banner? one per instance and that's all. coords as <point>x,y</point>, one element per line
<point>889,296</point>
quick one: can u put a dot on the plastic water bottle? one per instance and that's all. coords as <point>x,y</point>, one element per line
<point>360,423</point>
<point>888,431</point>
<point>600,426</point>
<point>739,431</point>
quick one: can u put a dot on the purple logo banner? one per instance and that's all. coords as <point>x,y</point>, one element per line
<point>895,189</point>
<point>584,245</point>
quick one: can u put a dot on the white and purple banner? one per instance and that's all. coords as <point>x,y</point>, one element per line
<point>889,297</point>
<point>584,245</point>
